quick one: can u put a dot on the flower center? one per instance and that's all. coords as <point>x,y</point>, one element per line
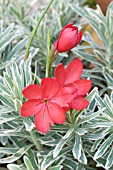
<point>45,100</point>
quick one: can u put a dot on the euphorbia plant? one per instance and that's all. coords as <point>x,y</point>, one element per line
<point>60,125</point>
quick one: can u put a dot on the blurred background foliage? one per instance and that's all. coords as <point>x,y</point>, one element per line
<point>86,146</point>
<point>24,15</point>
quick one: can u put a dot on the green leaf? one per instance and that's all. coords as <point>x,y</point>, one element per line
<point>5,109</point>
<point>100,26</point>
<point>109,161</point>
<point>96,144</point>
<point>108,102</point>
<point>62,142</point>
<point>16,155</point>
<point>6,102</point>
<point>14,11</point>
<point>7,40</point>
<point>100,162</point>
<point>88,57</point>
<point>83,158</point>
<point>102,104</point>
<point>97,124</point>
<point>27,69</point>
<point>32,157</point>
<point>8,150</point>
<point>77,147</point>
<point>17,104</point>
<point>4,89</point>
<point>111,96</point>
<point>28,163</point>
<point>17,79</point>
<point>59,167</point>
<point>5,64</point>
<point>4,140</point>
<point>8,80</point>
<point>14,132</point>
<point>86,15</point>
<point>4,119</point>
<point>80,131</point>
<point>29,125</point>
<point>102,30</point>
<point>49,160</point>
<point>95,136</point>
<point>92,94</point>
<point>14,167</point>
<point>6,32</point>
<point>103,147</point>
<point>100,55</point>
<point>108,77</point>
<point>70,163</point>
<point>16,49</point>
<point>109,17</point>
<point>91,116</point>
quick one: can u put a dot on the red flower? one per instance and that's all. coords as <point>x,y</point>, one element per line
<point>45,102</point>
<point>68,38</point>
<point>70,77</point>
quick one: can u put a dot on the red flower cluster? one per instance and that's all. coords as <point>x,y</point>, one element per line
<point>69,78</point>
<point>68,38</point>
<point>49,101</point>
<point>45,102</point>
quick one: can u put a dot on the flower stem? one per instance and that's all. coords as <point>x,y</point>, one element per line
<point>49,61</point>
<point>35,30</point>
<point>35,141</point>
<point>55,55</point>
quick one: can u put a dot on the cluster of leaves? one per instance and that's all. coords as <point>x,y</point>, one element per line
<point>25,17</point>
<point>84,142</point>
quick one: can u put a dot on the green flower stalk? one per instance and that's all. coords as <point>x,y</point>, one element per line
<point>35,30</point>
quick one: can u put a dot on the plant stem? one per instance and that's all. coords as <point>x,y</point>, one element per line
<point>35,30</point>
<point>77,115</point>
<point>49,61</point>
<point>35,141</point>
<point>57,52</point>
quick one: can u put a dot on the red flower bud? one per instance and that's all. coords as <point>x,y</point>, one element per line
<point>68,38</point>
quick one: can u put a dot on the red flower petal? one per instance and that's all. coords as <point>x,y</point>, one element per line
<point>67,26</point>
<point>62,97</point>
<point>57,114</point>
<point>60,74</point>
<point>66,109</point>
<point>32,91</point>
<point>73,71</point>
<point>68,40</point>
<point>31,107</point>
<point>83,86</point>
<point>80,36</point>
<point>55,45</point>
<point>75,28</point>
<point>43,120</point>
<point>71,88</point>
<point>79,103</point>
<point>50,87</point>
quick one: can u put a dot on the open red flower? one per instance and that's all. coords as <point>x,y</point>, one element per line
<point>46,103</point>
<point>70,77</point>
<point>68,38</point>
